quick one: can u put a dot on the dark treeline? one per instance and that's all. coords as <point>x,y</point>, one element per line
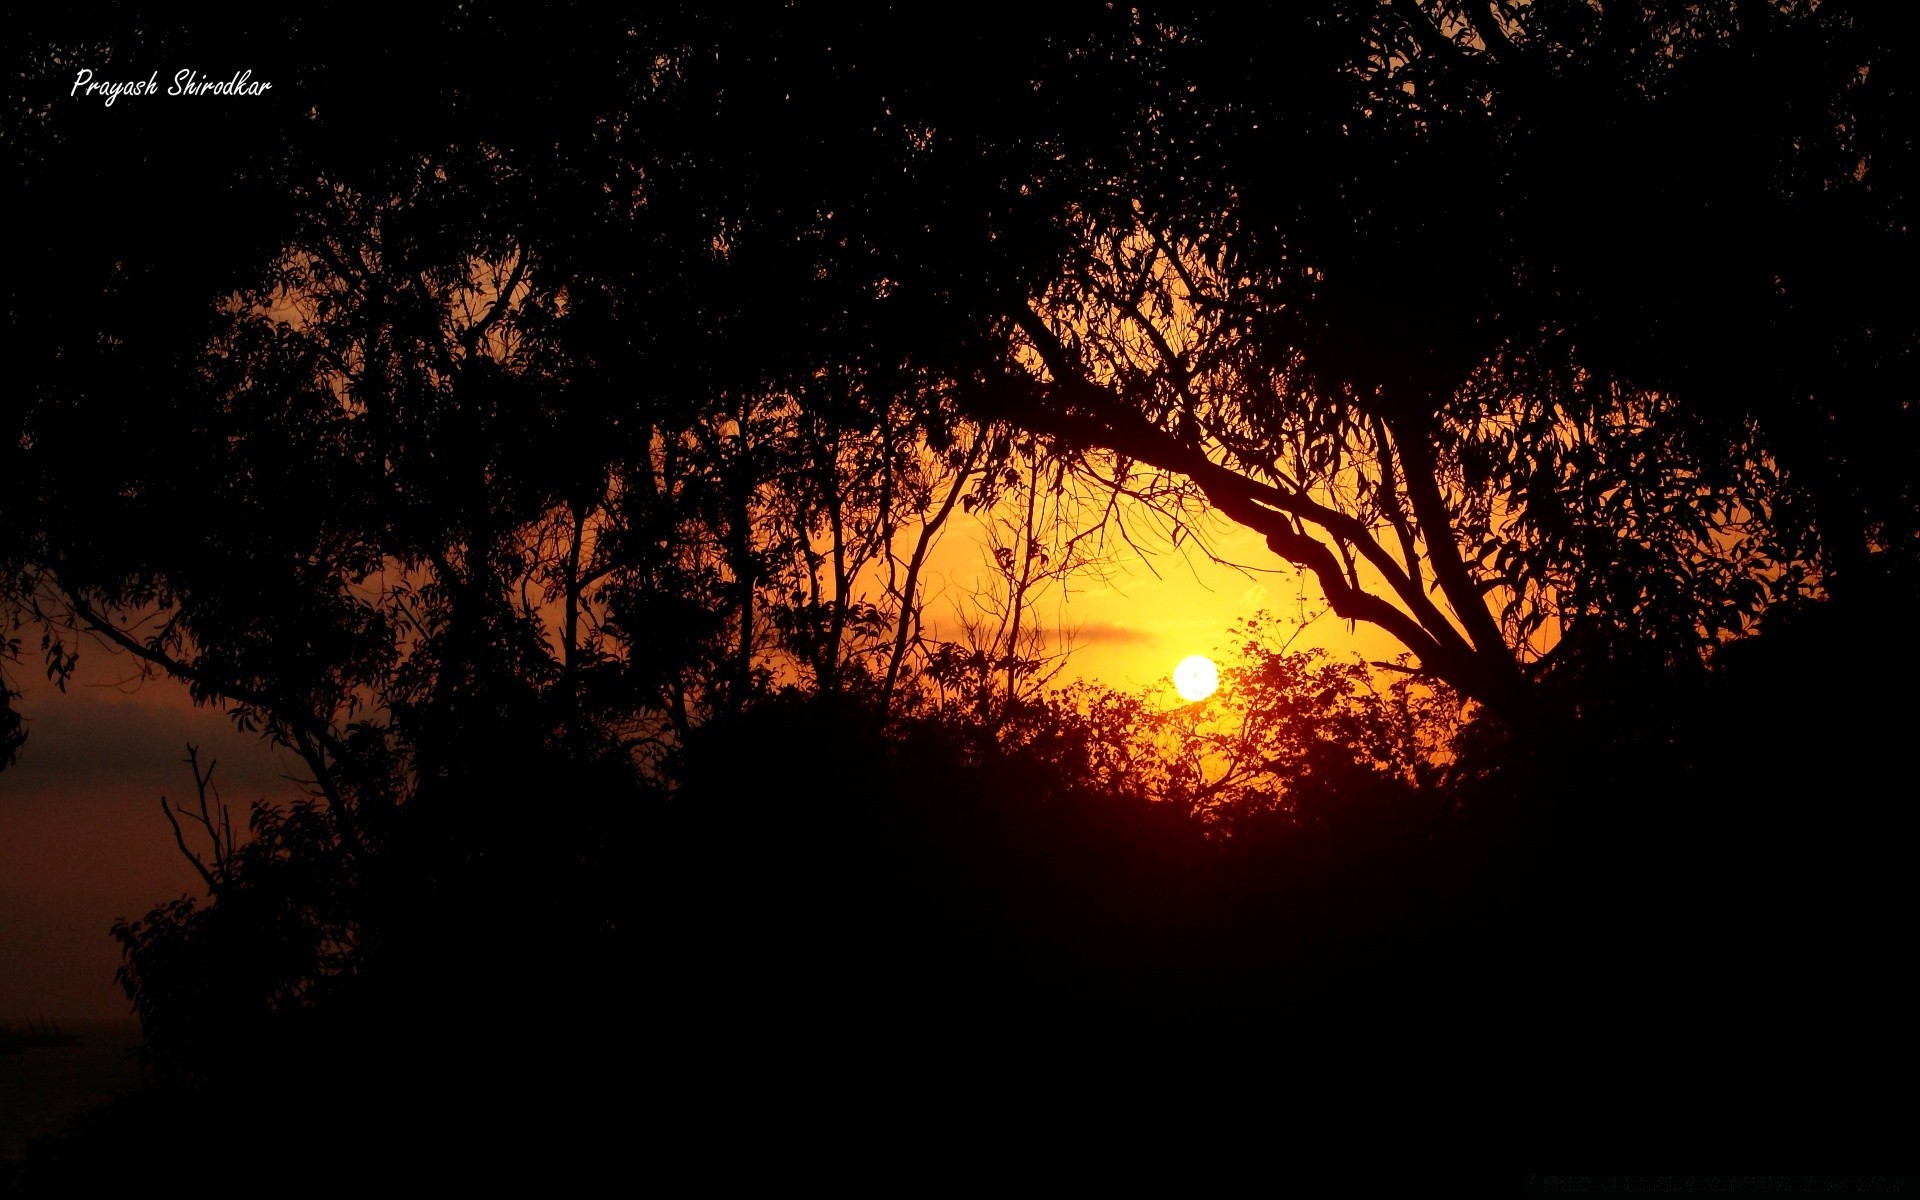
<point>537,418</point>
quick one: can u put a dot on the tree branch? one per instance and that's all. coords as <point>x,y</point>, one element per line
<point>1260,506</point>
<point>310,735</point>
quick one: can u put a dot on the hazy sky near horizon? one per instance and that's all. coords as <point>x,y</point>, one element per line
<point>83,842</point>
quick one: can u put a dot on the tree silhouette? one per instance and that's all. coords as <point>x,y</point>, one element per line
<point>555,469</point>
<point>1358,312</point>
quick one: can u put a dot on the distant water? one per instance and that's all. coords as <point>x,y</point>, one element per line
<point>41,1088</point>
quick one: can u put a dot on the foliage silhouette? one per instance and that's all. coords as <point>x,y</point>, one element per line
<point>554,470</point>
<point>1454,360</point>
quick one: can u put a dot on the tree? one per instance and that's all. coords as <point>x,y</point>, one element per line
<point>1336,289</point>
<point>507,460</point>
<point>555,466</point>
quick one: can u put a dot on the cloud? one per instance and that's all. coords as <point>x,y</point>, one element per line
<point>1105,632</point>
<point>86,742</point>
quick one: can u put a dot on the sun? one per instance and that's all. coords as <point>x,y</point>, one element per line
<point>1196,677</point>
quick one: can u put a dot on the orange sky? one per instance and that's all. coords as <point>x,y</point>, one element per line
<point>1141,613</point>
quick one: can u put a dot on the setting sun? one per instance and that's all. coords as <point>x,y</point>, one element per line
<point>1196,677</point>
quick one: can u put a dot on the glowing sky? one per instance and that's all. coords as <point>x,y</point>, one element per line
<point>1143,612</point>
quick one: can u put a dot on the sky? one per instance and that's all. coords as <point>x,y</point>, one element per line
<point>1131,620</point>
<point>83,841</point>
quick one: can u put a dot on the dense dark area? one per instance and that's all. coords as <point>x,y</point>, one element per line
<point>537,418</point>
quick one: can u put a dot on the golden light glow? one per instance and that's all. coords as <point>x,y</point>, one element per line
<point>1196,677</point>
